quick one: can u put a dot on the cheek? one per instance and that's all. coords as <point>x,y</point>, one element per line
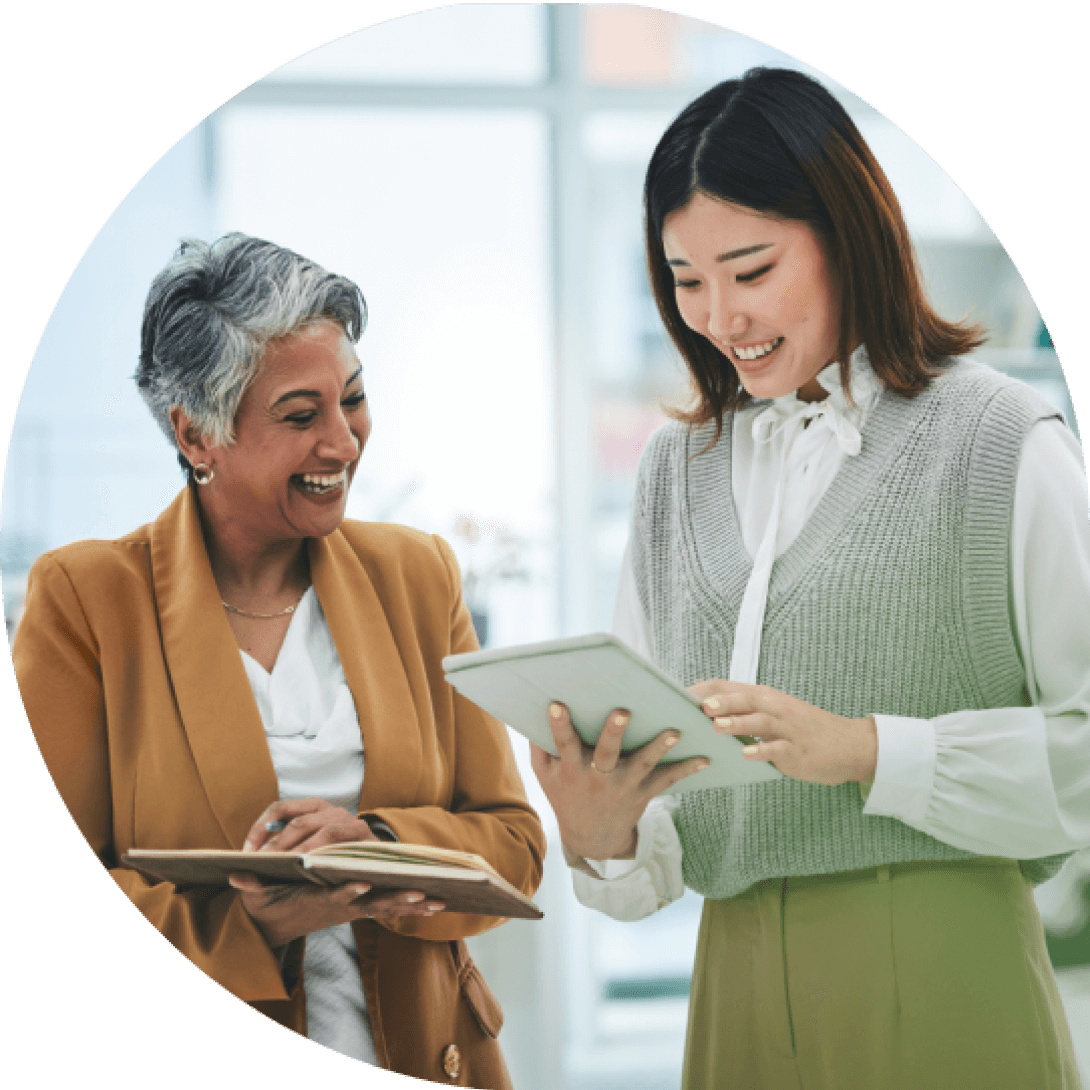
<point>691,311</point>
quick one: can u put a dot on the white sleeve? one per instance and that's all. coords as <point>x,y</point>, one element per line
<point>630,889</point>
<point>1015,781</point>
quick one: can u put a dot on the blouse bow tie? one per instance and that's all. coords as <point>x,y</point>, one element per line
<point>786,411</point>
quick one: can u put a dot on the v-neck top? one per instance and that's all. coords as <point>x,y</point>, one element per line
<point>980,779</point>
<point>316,747</point>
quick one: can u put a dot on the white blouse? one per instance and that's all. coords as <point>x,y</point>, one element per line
<point>1010,781</point>
<point>317,751</point>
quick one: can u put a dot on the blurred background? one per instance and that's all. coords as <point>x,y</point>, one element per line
<point>477,170</point>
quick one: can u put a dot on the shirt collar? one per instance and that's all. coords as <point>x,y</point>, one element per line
<point>845,418</point>
<point>863,382</point>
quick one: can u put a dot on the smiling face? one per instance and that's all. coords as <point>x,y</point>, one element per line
<point>759,289</point>
<point>299,432</point>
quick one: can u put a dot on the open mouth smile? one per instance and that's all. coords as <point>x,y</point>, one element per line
<point>319,484</point>
<point>751,352</point>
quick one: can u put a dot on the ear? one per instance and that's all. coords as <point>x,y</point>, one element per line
<point>190,441</point>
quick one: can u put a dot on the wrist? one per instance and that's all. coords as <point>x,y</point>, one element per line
<point>629,850</point>
<point>868,763</point>
<point>600,851</point>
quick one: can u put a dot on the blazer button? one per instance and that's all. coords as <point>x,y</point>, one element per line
<point>452,1061</point>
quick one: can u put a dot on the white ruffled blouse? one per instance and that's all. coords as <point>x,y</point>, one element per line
<point>1013,782</point>
<point>317,751</point>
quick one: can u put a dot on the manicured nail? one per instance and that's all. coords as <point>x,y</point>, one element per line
<point>672,739</point>
<point>248,846</point>
<point>703,764</point>
<point>750,751</point>
<point>723,723</point>
<point>621,719</point>
<point>435,908</point>
<point>267,846</point>
<point>361,889</point>
<point>413,898</point>
<point>555,711</point>
<point>712,703</point>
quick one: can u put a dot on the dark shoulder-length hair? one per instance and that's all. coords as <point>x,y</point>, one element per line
<point>777,142</point>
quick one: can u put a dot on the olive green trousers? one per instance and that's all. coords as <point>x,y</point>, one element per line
<point>916,976</point>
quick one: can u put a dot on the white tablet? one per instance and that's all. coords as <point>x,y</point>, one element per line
<point>592,675</point>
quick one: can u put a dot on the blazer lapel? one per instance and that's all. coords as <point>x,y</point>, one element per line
<point>376,674</point>
<point>214,699</point>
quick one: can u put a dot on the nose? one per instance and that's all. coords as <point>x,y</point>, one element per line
<point>726,320</point>
<point>343,440</point>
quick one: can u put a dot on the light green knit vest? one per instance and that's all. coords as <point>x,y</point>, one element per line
<point>893,599</point>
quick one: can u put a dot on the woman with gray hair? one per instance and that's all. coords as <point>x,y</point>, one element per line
<point>221,678</point>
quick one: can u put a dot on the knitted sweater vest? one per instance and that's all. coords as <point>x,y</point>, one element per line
<point>893,599</point>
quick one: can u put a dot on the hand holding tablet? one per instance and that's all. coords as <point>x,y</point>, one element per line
<point>593,676</point>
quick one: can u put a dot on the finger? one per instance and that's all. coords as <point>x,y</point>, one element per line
<point>704,689</point>
<point>607,752</point>
<point>769,752</point>
<point>541,760</point>
<point>567,742</point>
<point>727,697</point>
<point>300,828</point>
<point>345,895</point>
<point>282,810</point>
<point>648,756</point>
<point>271,894</point>
<point>246,883</point>
<point>741,699</point>
<point>388,905</point>
<point>665,777</point>
<point>346,833</point>
<point>754,725</point>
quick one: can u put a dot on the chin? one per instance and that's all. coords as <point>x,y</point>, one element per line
<point>766,388</point>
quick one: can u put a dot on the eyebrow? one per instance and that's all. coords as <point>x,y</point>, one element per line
<point>730,255</point>
<point>313,393</point>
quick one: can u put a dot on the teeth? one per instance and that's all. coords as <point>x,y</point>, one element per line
<point>756,351</point>
<point>327,482</point>
<point>314,482</point>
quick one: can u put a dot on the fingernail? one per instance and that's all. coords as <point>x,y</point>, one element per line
<point>360,890</point>
<point>750,751</point>
<point>703,764</point>
<point>621,719</point>
<point>672,739</point>
<point>413,898</point>
<point>555,711</point>
<point>435,908</point>
<point>712,703</point>
<point>723,724</point>
<point>267,846</point>
<point>248,846</point>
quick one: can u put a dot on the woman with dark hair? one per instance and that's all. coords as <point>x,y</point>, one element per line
<point>871,554</point>
<point>254,671</point>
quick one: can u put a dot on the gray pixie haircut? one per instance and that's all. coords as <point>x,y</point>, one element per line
<point>211,312</point>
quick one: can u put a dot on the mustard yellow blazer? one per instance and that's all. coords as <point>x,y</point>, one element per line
<point>136,692</point>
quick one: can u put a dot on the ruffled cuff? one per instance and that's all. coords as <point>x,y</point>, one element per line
<point>630,889</point>
<point>905,776</point>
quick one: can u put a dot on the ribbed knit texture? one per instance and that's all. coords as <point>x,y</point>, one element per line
<point>894,599</point>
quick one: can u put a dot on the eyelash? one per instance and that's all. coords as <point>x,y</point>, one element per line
<point>301,420</point>
<point>744,278</point>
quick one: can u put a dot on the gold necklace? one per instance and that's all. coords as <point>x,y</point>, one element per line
<point>263,616</point>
